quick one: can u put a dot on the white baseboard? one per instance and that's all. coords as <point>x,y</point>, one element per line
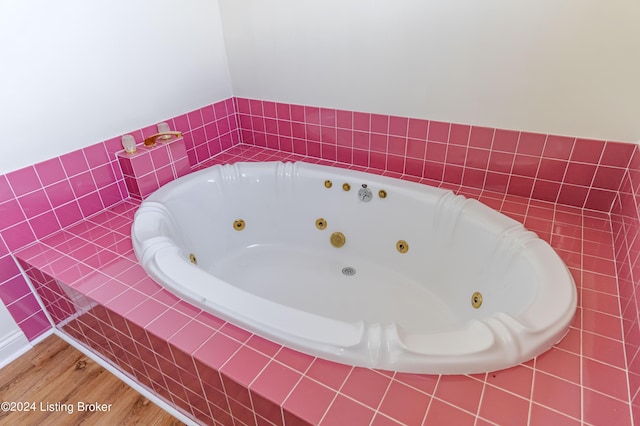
<point>12,346</point>
<point>16,344</point>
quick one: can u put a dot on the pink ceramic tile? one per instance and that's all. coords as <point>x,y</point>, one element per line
<point>23,181</point>
<point>297,113</point>
<point>478,159</point>
<point>543,416</point>
<point>481,137</point>
<point>222,108</point>
<point>601,200</point>
<point>405,404</point>
<point>74,163</point>
<point>617,154</point>
<point>517,380</point>
<point>50,171</point>
<point>551,169</point>
<point>264,346</point>
<point>235,332</point>
<point>603,349</point>
<point>398,126</point>
<point>35,325</point>
<point>144,313</point>
<point>461,391</point>
<point>441,413</point>
<point>245,365</point>
<point>601,409</point>
<point>503,408</point>
<point>126,301</point>
<point>416,148</point>
<point>217,350</point>
<point>241,104</point>
<point>531,143</point>
<point>96,155</point>
<point>343,119</point>
<point>604,378</point>
<point>414,167</point>
<point>103,175</point>
<point>23,308</point>
<point>580,174</point>
<point>505,141</point>
<point>90,204</point>
<point>328,373</point>
<point>294,359</point>
<point>308,401</point>
<point>366,386</point>
<point>600,302</point>
<point>438,131</point>
<point>459,134</point>
<point>208,114</point>
<point>361,121</point>
<point>608,177</point>
<point>560,363</point>
<point>18,236</point>
<point>346,411</point>
<point>195,119</point>
<point>147,184</point>
<point>8,268</point>
<point>558,147</point>
<point>10,214</point>
<point>167,324</point>
<point>83,184</point>
<point>417,129</point>
<point>59,193</point>
<point>602,324</point>
<point>6,193</point>
<point>587,151</point>
<point>276,381</point>
<point>572,195</point>
<point>142,164</point>
<point>557,394</point>
<point>501,162</point>
<point>422,382</point>
<point>383,420</point>
<point>14,289</point>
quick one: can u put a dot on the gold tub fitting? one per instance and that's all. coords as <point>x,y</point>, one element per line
<point>476,299</point>
<point>402,246</point>
<point>338,239</point>
<point>346,186</point>
<point>328,184</point>
<point>192,258</point>
<point>238,225</point>
<point>163,136</point>
<point>321,223</point>
<point>382,193</point>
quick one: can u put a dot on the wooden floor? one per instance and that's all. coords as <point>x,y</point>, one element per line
<point>54,379</point>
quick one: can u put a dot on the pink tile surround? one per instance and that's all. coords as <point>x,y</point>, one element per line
<point>211,369</point>
<point>39,200</point>
<point>149,168</point>
<point>584,173</point>
<point>626,232</point>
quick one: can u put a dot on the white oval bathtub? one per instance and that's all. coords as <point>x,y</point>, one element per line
<point>366,303</point>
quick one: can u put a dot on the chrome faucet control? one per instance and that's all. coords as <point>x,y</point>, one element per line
<point>365,193</point>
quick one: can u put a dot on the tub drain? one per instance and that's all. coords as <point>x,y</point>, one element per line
<point>348,271</point>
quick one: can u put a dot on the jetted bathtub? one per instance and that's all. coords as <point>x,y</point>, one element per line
<point>357,268</point>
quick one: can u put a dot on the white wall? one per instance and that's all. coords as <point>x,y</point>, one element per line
<point>568,67</point>
<point>7,324</point>
<point>12,341</point>
<point>77,72</point>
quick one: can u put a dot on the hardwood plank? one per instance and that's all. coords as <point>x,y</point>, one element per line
<point>58,380</point>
